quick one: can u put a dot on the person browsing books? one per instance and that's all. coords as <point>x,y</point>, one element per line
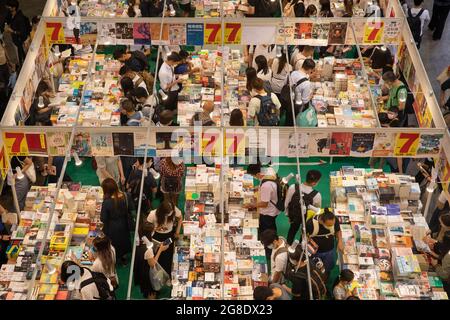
<point>342,289</point>
<point>104,256</point>
<point>311,198</point>
<point>169,81</point>
<point>274,291</point>
<point>279,255</point>
<point>324,229</point>
<point>264,107</point>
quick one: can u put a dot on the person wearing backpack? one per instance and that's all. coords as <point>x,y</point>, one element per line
<point>417,16</point>
<point>312,199</point>
<point>19,26</point>
<point>323,230</point>
<point>301,88</point>
<point>133,185</point>
<point>135,60</point>
<point>88,284</point>
<point>264,108</point>
<point>279,255</point>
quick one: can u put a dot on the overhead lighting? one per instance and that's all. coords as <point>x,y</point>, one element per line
<point>431,187</point>
<point>50,268</point>
<point>293,246</point>
<point>78,161</point>
<point>279,52</point>
<point>286,180</point>
<point>56,51</point>
<point>41,103</point>
<point>172,11</point>
<point>155,173</point>
<point>147,242</point>
<point>163,94</point>
<point>168,51</point>
<point>383,48</point>
<point>19,173</point>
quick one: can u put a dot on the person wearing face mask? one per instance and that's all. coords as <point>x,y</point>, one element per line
<point>324,229</point>
<point>279,256</point>
<point>167,220</point>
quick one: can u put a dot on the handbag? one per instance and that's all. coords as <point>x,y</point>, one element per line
<point>158,277</point>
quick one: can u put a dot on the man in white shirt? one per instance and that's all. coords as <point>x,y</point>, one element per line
<point>312,200</point>
<point>279,255</point>
<point>168,81</point>
<point>418,11</point>
<point>302,88</point>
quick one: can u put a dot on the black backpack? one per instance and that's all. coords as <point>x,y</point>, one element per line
<point>268,113</point>
<point>318,277</point>
<point>294,204</point>
<point>285,95</point>
<point>102,284</point>
<point>281,193</point>
<point>415,24</point>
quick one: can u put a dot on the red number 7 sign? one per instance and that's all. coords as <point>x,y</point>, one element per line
<point>56,26</point>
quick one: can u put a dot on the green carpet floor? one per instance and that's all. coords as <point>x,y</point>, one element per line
<point>87,176</point>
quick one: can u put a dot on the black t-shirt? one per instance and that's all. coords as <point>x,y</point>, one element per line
<point>382,59</point>
<point>264,8</point>
<point>325,243</point>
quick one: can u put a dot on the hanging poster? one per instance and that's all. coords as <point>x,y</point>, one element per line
<point>392,30</point>
<point>300,144</point>
<point>337,34</point>
<point>373,31</point>
<point>140,141</point>
<point>234,143</point>
<point>406,144</point>
<point>429,144</point>
<point>107,33</point>
<point>341,143</point>
<point>320,33</point>
<point>141,34</point>
<point>285,34</point>
<point>124,33</point>
<point>54,33</point>
<point>213,33</point>
<point>303,31</point>
<point>254,35</point>
<point>357,31</point>
<point>384,144</point>
<point>362,144</point>
<point>155,30</point>
<point>102,144</point>
<point>82,144</point>
<point>88,33</point>
<point>194,34</point>
<point>15,144</point>
<point>57,143</point>
<point>123,143</point>
<point>177,34</point>
<point>165,143</point>
<point>319,144</point>
<point>69,33</point>
<point>37,143</point>
<point>233,33</point>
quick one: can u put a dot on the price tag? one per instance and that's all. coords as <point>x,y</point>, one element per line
<point>15,143</point>
<point>213,33</point>
<point>373,32</point>
<point>234,144</point>
<point>54,33</point>
<point>233,33</point>
<point>406,144</point>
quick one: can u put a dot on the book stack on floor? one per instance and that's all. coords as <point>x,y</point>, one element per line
<point>198,256</point>
<point>74,224</point>
<point>382,226</point>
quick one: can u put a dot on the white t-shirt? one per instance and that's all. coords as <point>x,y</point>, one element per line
<point>90,291</point>
<point>268,193</point>
<point>303,92</point>
<point>255,105</point>
<point>141,84</point>
<point>168,226</point>
<point>317,200</point>
<point>265,77</point>
<point>279,263</point>
<point>97,266</point>
<point>166,76</point>
<point>425,17</point>
<point>278,79</point>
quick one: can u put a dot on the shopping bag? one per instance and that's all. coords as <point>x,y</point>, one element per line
<point>159,277</point>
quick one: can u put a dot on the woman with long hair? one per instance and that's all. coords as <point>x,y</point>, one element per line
<point>133,10</point>
<point>116,216</point>
<point>325,9</point>
<point>237,118</point>
<point>171,178</point>
<point>263,71</point>
<point>280,71</point>
<point>146,258</point>
<point>251,75</point>
<point>167,221</point>
<point>311,11</point>
<point>105,259</point>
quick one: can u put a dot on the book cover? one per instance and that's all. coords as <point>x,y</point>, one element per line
<point>123,144</point>
<point>194,34</point>
<point>37,143</point>
<point>362,144</point>
<point>140,142</point>
<point>107,34</point>
<point>338,31</point>
<point>303,31</point>
<point>155,30</point>
<point>57,143</point>
<point>82,144</point>
<point>177,34</point>
<point>88,33</point>
<point>320,33</point>
<point>300,144</point>
<point>383,145</point>
<point>124,33</point>
<point>319,144</point>
<point>340,143</point>
<point>102,144</point>
<point>142,34</point>
<point>429,144</point>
